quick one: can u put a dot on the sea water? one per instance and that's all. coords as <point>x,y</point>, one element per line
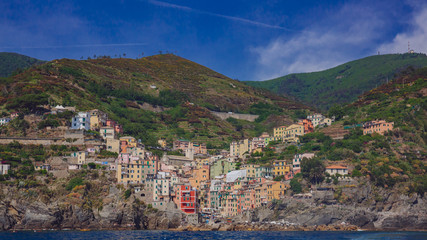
<point>119,235</point>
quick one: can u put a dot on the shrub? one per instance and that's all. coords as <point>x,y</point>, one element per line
<point>91,165</point>
<point>76,181</point>
<point>127,193</point>
<point>356,173</point>
<point>295,186</point>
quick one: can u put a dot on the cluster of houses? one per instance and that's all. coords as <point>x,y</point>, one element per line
<point>286,134</point>
<point>6,120</point>
<point>216,186</point>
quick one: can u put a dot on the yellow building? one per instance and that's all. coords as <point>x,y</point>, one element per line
<point>280,168</point>
<point>133,170</point>
<point>275,190</point>
<point>81,157</point>
<point>131,141</point>
<point>292,132</point>
<point>251,170</point>
<point>97,119</point>
<point>162,143</point>
<point>279,131</point>
<point>202,162</point>
<point>237,149</point>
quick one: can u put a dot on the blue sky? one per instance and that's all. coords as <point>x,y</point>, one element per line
<point>243,39</point>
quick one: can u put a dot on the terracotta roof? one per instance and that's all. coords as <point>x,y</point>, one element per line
<point>336,167</point>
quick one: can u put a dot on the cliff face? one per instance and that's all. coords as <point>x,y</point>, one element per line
<point>116,213</point>
<point>365,207</point>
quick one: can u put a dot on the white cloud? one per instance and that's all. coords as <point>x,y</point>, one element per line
<point>416,36</point>
<point>343,35</point>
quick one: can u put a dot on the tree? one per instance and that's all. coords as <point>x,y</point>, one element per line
<point>28,102</point>
<point>295,186</point>
<point>313,170</point>
<point>337,112</point>
<point>91,165</point>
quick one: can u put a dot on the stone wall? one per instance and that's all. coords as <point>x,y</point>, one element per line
<point>240,116</point>
<point>41,141</point>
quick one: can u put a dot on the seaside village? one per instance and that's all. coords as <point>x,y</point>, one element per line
<point>195,182</point>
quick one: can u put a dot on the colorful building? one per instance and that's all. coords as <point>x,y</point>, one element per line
<point>81,157</point>
<point>221,167</point>
<point>316,118</point>
<point>185,144</point>
<point>379,126</point>
<point>81,121</point>
<point>135,170</point>
<point>199,175</point>
<point>280,168</point>
<point>336,169</point>
<point>127,142</point>
<point>296,162</point>
<point>238,149</point>
<point>107,132</point>
<point>279,131</point>
<point>97,119</point>
<point>4,168</point>
<point>187,198</point>
<point>308,125</point>
<point>113,145</point>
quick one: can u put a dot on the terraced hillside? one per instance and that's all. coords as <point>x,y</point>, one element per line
<point>185,90</point>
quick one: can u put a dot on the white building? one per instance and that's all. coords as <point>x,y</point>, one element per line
<point>4,121</point>
<point>319,119</point>
<point>234,175</point>
<point>4,169</point>
<point>296,162</point>
<point>337,169</point>
<point>81,121</point>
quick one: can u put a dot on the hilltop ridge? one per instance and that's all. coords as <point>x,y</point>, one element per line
<point>12,62</point>
<point>344,83</point>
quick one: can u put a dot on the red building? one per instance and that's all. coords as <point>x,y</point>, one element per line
<point>117,127</point>
<point>187,199</point>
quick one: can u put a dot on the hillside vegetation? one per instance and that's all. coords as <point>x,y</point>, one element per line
<point>181,92</point>
<point>396,160</point>
<point>344,83</point>
<point>14,62</point>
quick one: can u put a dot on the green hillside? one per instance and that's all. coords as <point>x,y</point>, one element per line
<point>396,160</point>
<point>344,83</point>
<point>184,90</point>
<point>11,62</point>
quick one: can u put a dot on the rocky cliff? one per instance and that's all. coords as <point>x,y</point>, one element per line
<point>366,207</point>
<point>346,207</point>
<point>17,213</point>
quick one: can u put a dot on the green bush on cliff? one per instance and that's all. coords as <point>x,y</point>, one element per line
<point>295,186</point>
<point>76,181</point>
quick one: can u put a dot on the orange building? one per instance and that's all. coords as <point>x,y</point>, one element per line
<point>127,142</point>
<point>308,125</point>
<point>199,175</point>
<point>379,126</point>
